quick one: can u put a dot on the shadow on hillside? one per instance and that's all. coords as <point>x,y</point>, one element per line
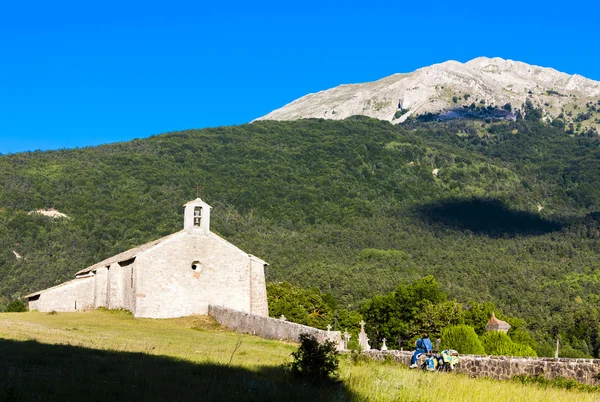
<point>31,371</point>
<point>485,217</point>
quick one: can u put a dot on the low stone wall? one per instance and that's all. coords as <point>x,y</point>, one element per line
<point>268,327</point>
<point>505,367</point>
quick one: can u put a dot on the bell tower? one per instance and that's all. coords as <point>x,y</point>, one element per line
<point>196,217</point>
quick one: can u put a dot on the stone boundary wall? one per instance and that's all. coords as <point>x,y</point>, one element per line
<point>505,367</point>
<point>267,327</point>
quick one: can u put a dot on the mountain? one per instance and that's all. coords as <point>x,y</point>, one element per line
<point>504,213</point>
<point>452,89</point>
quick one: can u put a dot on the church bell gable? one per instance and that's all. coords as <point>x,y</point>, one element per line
<point>196,217</point>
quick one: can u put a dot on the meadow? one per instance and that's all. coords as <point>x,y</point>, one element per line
<point>100,355</point>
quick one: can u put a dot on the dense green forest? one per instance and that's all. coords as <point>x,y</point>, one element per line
<point>501,212</point>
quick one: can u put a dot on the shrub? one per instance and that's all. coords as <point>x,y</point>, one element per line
<point>16,306</point>
<point>500,344</point>
<point>463,339</point>
<point>314,360</point>
<point>400,113</point>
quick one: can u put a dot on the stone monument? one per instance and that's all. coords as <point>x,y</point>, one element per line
<point>363,340</point>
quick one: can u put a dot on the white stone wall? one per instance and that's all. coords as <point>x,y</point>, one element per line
<point>116,290</point>
<point>167,286</point>
<point>75,295</point>
<point>161,283</point>
<point>258,288</point>
<point>101,288</point>
<point>267,327</point>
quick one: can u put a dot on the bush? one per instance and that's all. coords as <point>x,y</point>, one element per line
<point>400,113</point>
<point>314,360</point>
<point>463,339</point>
<point>16,306</point>
<point>500,344</point>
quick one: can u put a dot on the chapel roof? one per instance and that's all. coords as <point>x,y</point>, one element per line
<point>495,323</point>
<point>57,286</point>
<point>127,255</point>
<point>196,202</point>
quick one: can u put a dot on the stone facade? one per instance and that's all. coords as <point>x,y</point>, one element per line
<point>505,367</point>
<point>270,328</point>
<point>175,276</point>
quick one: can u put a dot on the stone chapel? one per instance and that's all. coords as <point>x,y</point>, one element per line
<point>178,275</point>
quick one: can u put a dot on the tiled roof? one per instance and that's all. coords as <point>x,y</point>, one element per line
<point>127,255</point>
<point>496,323</point>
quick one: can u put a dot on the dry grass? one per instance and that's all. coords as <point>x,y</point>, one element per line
<point>106,354</point>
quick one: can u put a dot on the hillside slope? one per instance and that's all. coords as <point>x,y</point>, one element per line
<point>506,217</point>
<point>448,89</point>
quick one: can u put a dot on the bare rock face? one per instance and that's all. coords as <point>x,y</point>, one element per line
<point>446,89</point>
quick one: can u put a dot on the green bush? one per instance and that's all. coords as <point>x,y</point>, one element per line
<point>463,339</point>
<point>400,113</point>
<point>500,344</point>
<point>16,306</point>
<point>314,360</point>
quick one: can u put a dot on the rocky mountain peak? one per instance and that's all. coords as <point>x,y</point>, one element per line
<point>448,90</point>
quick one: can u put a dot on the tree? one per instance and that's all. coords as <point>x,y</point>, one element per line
<point>500,344</point>
<point>463,339</point>
<point>402,314</point>
<point>16,306</point>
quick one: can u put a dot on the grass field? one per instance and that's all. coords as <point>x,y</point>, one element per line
<point>109,355</point>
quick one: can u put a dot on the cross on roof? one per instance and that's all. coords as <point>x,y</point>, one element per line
<point>197,191</point>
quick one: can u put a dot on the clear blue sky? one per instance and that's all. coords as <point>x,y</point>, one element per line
<point>84,73</point>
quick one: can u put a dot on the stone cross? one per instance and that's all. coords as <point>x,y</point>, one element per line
<point>363,340</point>
<point>328,327</point>
<point>384,346</point>
<point>347,337</point>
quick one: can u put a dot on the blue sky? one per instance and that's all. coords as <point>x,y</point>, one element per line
<point>75,74</point>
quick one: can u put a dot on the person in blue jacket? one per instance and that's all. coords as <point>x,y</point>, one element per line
<point>423,345</point>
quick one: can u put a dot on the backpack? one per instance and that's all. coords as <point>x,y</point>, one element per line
<point>431,363</point>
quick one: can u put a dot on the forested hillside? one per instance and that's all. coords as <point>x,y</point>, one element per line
<point>501,212</point>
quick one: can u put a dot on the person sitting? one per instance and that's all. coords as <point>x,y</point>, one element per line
<point>423,345</point>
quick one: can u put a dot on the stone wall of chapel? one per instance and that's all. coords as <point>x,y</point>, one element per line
<point>76,295</point>
<point>128,287</point>
<point>259,288</point>
<point>168,286</point>
<point>116,291</point>
<point>101,288</point>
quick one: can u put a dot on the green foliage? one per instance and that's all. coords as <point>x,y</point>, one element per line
<point>531,112</point>
<point>522,336</point>
<point>409,311</point>
<point>308,307</point>
<point>560,382</point>
<point>315,361</point>
<point>383,255</point>
<point>461,338</point>
<point>16,306</point>
<point>308,196</point>
<point>499,343</point>
<point>400,113</point>
<point>477,315</point>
